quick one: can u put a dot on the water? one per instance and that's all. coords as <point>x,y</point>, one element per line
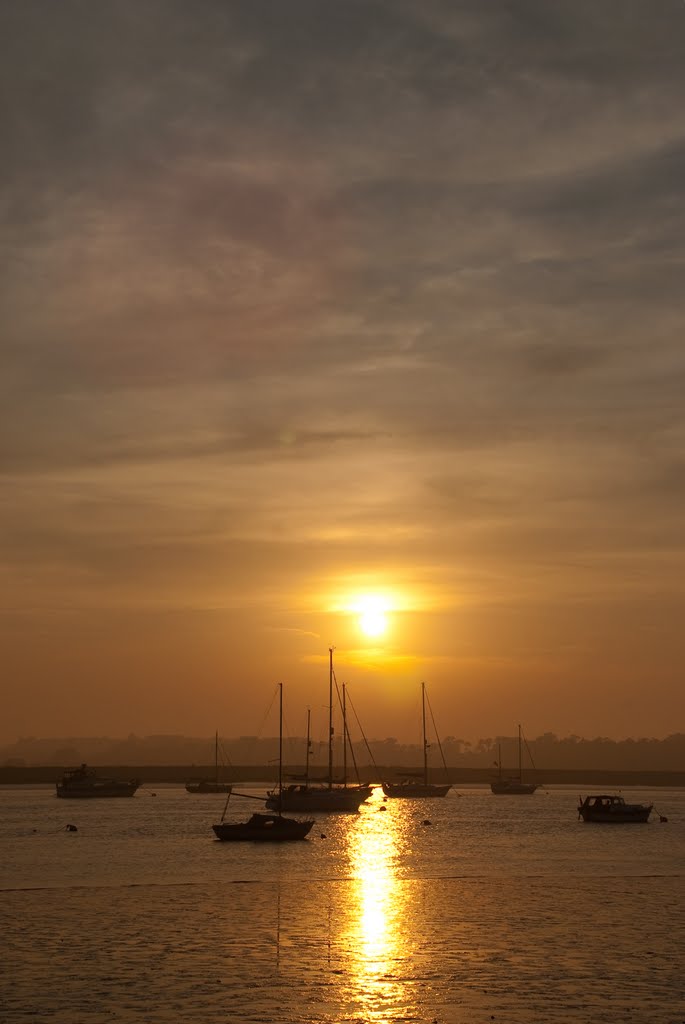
<point>468,909</point>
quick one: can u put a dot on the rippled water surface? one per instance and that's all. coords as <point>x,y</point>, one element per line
<point>472,908</point>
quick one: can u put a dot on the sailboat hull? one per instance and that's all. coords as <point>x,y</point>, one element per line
<point>263,828</point>
<point>512,787</point>
<point>206,786</point>
<point>419,788</point>
<point>210,785</point>
<point>415,790</point>
<point>321,799</point>
<point>514,784</point>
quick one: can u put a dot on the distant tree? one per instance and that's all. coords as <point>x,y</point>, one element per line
<point>66,756</point>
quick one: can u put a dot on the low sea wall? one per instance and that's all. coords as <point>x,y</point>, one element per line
<point>180,774</point>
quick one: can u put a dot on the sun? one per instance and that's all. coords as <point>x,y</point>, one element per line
<point>372,611</point>
<point>368,610</point>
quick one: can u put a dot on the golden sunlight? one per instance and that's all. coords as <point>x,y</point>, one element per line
<point>377,910</point>
<point>371,861</point>
<point>368,609</point>
<point>372,611</point>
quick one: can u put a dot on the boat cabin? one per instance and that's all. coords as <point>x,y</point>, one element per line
<point>82,772</point>
<point>604,802</point>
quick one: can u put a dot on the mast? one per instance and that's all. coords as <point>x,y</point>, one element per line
<point>520,766</point>
<point>330,718</point>
<point>280,745</point>
<point>425,741</point>
<point>216,756</point>
<point>344,718</point>
<point>309,745</point>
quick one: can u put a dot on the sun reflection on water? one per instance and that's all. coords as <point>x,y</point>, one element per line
<point>375,933</point>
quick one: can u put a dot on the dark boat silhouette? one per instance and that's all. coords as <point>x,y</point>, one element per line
<point>327,796</point>
<point>210,785</point>
<point>513,785</point>
<point>612,810</point>
<point>419,787</point>
<point>260,827</point>
<point>84,783</point>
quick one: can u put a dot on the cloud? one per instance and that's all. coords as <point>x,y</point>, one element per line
<point>288,291</point>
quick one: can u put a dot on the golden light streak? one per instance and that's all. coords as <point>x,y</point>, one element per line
<point>377,910</point>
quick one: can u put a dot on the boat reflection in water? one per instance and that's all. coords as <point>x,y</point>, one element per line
<point>374,936</point>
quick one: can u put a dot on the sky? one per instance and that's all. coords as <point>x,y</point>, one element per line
<point>353,324</point>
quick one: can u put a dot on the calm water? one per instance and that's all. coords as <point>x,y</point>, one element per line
<point>473,908</point>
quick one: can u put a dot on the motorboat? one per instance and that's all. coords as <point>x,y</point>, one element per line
<point>85,783</point>
<point>612,810</point>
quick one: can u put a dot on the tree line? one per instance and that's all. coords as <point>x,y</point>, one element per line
<point>543,752</point>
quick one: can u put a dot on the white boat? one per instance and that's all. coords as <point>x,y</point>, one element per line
<point>419,787</point>
<point>328,796</point>
<point>513,785</point>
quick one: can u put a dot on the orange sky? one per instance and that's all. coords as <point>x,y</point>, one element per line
<point>301,309</point>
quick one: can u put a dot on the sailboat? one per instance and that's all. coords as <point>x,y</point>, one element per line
<point>260,827</point>
<point>419,787</point>
<point>327,796</point>
<point>210,785</point>
<point>513,785</point>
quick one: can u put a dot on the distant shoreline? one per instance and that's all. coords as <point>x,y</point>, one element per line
<point>39,774</point>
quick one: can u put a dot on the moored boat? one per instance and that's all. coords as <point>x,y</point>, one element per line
<point>409,788</point>
<point>210,785</point>
<point>307,797</point>
<point>328,796</point>
<point>260,827</point>
<point>612,809</point>
<point>513,785</point>
<point>419,787</point>
<point>84,783</point>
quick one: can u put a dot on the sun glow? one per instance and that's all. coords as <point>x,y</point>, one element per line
<point>372,611</point>
<point>369,609</point>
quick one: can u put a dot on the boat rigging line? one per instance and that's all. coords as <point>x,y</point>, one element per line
<point>437,736</point>
<point>363,735</point>
<point>347,739</point>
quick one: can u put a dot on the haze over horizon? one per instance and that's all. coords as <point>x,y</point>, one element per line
<point>352,324</point>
